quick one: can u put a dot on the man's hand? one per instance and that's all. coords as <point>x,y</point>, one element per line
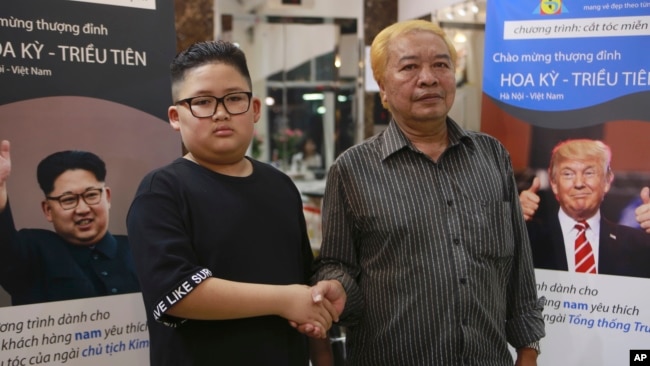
<point>5,171</point>
<point>302,309</point>
<point>333,291</point>
<point>643,212</point>
<point>529,200</point>
<point>333,297</point>
<point>5,162</point>
<point>526,357</point>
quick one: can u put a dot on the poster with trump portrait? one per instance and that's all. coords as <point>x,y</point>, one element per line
<point>566,89</point>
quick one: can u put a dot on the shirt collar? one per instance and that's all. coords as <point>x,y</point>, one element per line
<point>395,140</point>
<point>568,224</point>
<point>107,247</point>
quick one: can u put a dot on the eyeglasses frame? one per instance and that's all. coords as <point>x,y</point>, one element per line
<point>77,196</point>
<point>219,101</point>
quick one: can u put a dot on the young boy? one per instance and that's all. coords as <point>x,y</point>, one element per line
<point>219,239</point>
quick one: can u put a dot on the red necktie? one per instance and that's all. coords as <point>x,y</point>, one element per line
<point>585,261</point>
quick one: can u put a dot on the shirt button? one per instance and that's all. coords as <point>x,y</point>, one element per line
<point>450,203</point>
<point>104,273</point>
<point>465,321</point>
<point>456,241</point>
<point>463,281</point>
<point>114,290</point>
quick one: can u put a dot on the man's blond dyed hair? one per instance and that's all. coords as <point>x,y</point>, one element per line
<point>379,47</point>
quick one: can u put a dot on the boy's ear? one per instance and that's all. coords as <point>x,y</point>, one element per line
<point>257,109</point>
<point>172,114</point>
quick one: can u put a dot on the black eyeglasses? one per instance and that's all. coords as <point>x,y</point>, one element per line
<point>68,201</point>
<point>206,106</point>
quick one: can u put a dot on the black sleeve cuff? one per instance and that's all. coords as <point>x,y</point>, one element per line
<point>176,295</point>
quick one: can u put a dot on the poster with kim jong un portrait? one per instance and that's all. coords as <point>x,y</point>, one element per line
<point>86,75</point>
<point>563,70</point>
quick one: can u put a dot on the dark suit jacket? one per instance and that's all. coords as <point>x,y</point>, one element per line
<point>39,265</point>
<point>623,251</point>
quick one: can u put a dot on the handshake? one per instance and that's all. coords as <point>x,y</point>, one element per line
<point>313,309</point>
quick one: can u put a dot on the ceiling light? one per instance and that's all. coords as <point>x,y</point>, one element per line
<point>313,96</point>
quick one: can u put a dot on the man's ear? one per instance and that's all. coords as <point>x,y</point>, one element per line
<point>108,196</point>
<point>381,92</point>
<point>608,185</point>
<point>47,210</point>
<point>554,186</point>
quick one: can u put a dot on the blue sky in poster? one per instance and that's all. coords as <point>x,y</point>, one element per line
<point>566,55</point>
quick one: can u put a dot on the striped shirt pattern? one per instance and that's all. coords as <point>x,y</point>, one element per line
<point>434,256</point>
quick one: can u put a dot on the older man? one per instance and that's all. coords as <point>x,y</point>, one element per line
<point>423,233</point>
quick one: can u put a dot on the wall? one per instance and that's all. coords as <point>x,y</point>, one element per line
<point>411,9</point>
<point>270,46</point>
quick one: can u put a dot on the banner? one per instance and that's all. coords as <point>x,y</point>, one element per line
<point>558,70</point>
<point>569,64</point>
<point>101,331</point>
<point>92,49</point>
<point>90,75</point>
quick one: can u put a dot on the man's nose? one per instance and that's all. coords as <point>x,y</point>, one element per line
<point>82,206</point>
<point>579,180</point>
<point>428,76</point>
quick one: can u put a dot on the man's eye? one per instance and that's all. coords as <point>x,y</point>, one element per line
<point>68,199</point>
<point>91,195</point>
